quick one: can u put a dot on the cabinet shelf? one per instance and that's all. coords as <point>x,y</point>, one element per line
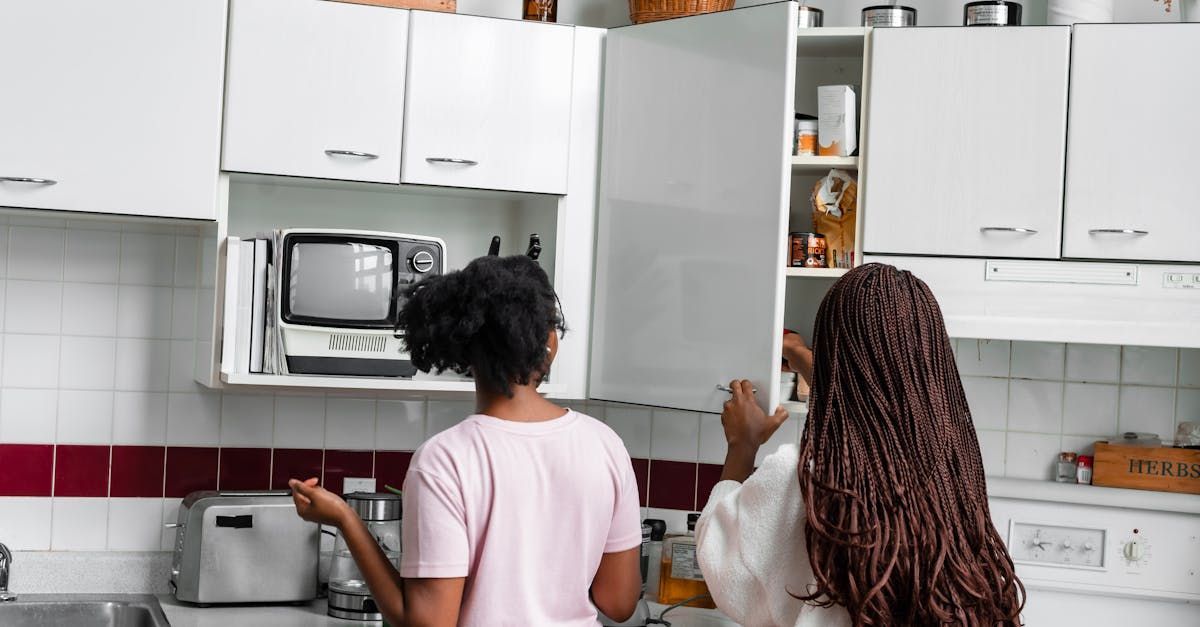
<point>820,164</point>
<point>842,41</point>
<point>423,385</point>
<point>816,272</point>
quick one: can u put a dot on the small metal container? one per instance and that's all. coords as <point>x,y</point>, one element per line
<point>375,506</point>
<point>992,13</point>
<point>889,15</point>
<point>810,17</point>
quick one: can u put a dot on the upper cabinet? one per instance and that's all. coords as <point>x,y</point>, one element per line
<point>692,219</point>
<point>112,107</point>
<point>488,103</point>
<point>315,89</point>
<point>965,139</point>
<point>1132,143</point>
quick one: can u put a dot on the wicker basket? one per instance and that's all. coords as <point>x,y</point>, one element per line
<point>641,11</point>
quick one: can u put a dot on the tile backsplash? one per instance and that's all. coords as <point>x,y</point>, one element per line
<point>1031,400</point>
<point>102,429</point>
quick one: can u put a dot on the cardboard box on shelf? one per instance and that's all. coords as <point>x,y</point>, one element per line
<point>837,120</point>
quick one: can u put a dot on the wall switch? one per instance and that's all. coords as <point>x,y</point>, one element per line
<point>358,484</point>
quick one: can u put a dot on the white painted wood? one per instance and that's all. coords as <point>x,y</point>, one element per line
<point>575,250</point>
<point>815,272</point>
<point>493,93</point>
<point>119,102</point>
<point>831,41</point>
<point>308,76</point>
<point>695,177</point>
<point>820,164</point>
<point>1132,142</point>
<point>967,129</point>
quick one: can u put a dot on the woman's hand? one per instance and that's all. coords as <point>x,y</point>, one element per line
<point>316,504</point>
<point>745,423</point>
<point>798,355</point>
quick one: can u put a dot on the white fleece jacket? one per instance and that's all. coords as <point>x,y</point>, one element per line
<point>750,544</point>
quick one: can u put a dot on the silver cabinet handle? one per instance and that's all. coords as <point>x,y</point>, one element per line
<point>1117,232</point>
<point>728,390</point>
<point>1008,229</point>
<point>174,525</point>
<point>351,153</point>
<point>28,179</point>
<point>450,160</point>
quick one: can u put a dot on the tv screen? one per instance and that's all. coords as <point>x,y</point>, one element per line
<point>344,281</point>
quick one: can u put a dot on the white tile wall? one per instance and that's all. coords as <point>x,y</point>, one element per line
<point>139,418</point>
<point>350,423</point>
<point>85,417</point>
<point>28,416</point>
<point>675,435</point>
<point>193,418</point>
<point>633,424</point>
<point>25,523</point>
<point>299,422</point>
<point>247,420</point>
<point>400,425</point>
<point>79,524</point>
<point>135,524</point>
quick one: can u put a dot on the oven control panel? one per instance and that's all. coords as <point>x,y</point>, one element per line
<point>1054,544</point>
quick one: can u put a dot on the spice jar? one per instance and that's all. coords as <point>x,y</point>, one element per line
<point>807,251</point>
<point>805,141</point>
<point>1083,469</point>
<point>1066,468</point>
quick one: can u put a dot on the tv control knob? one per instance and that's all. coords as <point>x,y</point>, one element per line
<point>422,261</point>
<point>1067,544</point>
<point>1088,546</point>
<point>1134,551</point>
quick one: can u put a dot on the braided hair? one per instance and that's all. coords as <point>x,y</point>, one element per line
<point>896,513</point>
<point>490,320</point>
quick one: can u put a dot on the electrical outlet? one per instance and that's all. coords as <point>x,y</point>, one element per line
<point>358,484</point>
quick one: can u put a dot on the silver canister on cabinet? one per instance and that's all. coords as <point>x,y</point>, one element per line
<point>810,17</point>
<point>889,15</point>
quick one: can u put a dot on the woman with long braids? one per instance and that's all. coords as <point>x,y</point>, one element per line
<point>880,517</point>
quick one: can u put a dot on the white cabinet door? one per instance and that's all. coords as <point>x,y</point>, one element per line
<point>964,145</point>
<point>488,103</point>
<point>315,89</point>
<point>1133,170</point>
<point>694,184</point>
<point>112,107</point>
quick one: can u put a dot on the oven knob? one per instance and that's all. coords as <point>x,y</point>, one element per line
<point>1134,551</point>
<point>1088,546</point>
<point>1067,543</point>
<point>421,261</point>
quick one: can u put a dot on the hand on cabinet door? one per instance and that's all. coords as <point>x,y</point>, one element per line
<point>798,356</point>
<point>747,428</point>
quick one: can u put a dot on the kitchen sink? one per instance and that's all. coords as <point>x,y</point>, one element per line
<point>83,610</point>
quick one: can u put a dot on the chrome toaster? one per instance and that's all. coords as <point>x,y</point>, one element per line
<point>243,547</point>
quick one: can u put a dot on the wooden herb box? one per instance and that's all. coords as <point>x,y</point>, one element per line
<point>446,6</point>
<point>1161,468</point>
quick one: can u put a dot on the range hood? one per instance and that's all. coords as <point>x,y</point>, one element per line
<point>1087,302</point>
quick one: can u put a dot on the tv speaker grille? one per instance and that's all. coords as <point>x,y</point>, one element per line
<point>358,343</point>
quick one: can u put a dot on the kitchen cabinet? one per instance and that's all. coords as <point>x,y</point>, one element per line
<point>1131,185</point>
<point>488,103</point>
<point>692,219</point>
<point>965,141</point>
<point>112,107</point>
<point>315,89</point>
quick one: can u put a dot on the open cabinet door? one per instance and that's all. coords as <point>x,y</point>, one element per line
<point>694,185</point>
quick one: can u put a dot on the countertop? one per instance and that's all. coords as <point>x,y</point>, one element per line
<point>313,615</point>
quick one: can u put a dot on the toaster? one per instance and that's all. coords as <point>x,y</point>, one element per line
<point>243,547</point>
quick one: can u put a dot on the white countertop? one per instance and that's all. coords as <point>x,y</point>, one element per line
<point>313,615</point>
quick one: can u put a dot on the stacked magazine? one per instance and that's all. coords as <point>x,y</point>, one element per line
<point>252,342</point>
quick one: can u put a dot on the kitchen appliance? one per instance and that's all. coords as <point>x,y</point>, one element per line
<point>349,597</point>
<point>889,15</point>
<point>243,547</point>
<point>340,294</point>
<point>992,13</point>
<point>809,17</point>
<point>1144,304</point>
<point>1101,556</point>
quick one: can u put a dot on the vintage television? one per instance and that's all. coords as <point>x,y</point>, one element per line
<point>340,292</point>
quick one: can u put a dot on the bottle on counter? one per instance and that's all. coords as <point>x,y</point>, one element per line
<point>654,549</point>
<point>680,578</point>
<point>1083,469</point>
<point>1065,468</point>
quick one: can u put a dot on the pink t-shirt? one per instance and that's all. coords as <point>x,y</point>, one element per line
<point>524,511</point>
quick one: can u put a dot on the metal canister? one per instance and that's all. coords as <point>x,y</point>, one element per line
<point>808,251</point>
<point>889,15</point>
<point>992,13</point>
<point>810,17</point>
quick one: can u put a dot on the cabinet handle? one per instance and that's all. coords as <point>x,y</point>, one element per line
<point>27,179</point>
<point>450,160</point>
<point>1117,232</point>
<point>1008,229</point>
<point>728,390</point>
<point>351,153</point>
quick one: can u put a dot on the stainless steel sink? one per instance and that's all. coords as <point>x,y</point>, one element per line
<point>83,610</point>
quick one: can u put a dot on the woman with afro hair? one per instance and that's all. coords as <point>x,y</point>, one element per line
<point>525,513</point>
